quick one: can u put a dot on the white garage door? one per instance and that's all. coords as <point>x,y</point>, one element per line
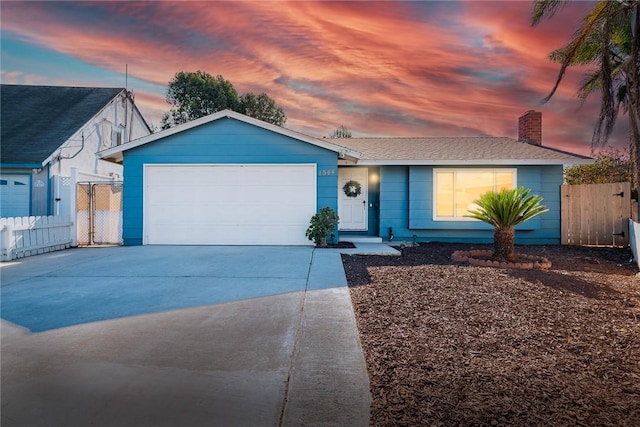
<point>228,204</point>
<point>14,195</point>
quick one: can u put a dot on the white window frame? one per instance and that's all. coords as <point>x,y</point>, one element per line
<point>455,171</point>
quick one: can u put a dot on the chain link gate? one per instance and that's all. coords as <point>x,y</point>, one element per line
<point>99,213</point>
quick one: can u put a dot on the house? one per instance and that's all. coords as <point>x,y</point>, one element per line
<point>228,179</point>
<point>48,131</point>
<point>423,187</point>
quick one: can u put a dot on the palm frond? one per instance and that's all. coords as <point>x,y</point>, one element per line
<point>507,208</point>
<point>591,83</point>
<point>543,9</point>
<point>608,111</point>
<point>609,37</point>
<point>590,28</point>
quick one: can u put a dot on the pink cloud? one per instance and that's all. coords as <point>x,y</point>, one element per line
<point>383,68</point>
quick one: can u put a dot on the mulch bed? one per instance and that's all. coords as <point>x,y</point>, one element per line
<point>452,344</point>
<point>338,245</point>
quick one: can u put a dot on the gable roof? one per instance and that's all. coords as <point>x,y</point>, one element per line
<point>36,120</point>
<point>115,153</point>
<point>455,151</point>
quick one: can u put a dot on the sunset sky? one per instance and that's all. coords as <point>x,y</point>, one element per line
<point>379,68</point>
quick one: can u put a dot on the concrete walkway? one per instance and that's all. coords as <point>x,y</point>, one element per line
<point>193,336</point>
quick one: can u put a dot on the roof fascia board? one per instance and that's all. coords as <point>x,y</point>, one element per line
<point>21,165</point>
<point>343,151</point>
<point>104,107</point>
<point>138,113</point>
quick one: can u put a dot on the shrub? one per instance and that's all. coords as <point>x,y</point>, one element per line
<point>321,225</point>
<point>609,166</point>
<point>504,210</point>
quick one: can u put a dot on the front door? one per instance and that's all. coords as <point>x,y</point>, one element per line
<point>353,190</point>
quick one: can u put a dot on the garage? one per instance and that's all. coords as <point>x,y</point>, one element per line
<point>225,179</point>
<point>14,193</point>
<point>228,204</point>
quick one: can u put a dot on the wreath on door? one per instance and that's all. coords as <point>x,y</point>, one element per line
<point>352,188</point>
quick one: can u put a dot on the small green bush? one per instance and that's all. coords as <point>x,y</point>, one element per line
<point>321,225</point>
<point>609,166</point>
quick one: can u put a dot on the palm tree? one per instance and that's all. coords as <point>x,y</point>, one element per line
<point>608,38</point>
<point>505,210</point>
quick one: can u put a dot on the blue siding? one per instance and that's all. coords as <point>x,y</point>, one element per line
<point>551,179</point>
<point>407,205</point>
<point>224,141</point>
<point>394,201</point>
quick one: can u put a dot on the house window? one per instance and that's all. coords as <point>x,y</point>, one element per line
<point>455,190</point>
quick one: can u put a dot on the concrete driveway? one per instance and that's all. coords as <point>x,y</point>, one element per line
<point>180,336</point>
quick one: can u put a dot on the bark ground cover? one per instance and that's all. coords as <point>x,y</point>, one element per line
<point>447,343</point>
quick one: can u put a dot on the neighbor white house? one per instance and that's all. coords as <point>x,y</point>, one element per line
<point>49,131</point>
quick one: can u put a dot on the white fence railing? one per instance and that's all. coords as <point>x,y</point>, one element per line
<point>32,235</point>
<point>634,240</point>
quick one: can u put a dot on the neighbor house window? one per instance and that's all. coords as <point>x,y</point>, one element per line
<point>455,190</point>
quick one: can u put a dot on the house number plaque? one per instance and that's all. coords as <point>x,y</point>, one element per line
<point>326,172</point>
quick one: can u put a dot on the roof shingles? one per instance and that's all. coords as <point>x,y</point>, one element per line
<point>454,150</point>
<point>36,120</point>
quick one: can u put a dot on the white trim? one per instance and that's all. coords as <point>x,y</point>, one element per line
<point>435,171</point>
<point>73,206</point>
<point>115,153</point>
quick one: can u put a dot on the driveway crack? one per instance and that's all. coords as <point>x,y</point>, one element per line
<point>296,343</point>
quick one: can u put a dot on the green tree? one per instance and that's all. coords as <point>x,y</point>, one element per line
<point>505,210</point>
<point>197,94</point>
<point>609,39</point>
<point>262,107</point>
<point>341,132</point>
<point>609,166</point>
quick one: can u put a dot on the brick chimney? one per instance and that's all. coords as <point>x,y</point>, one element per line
<point>530,127</point>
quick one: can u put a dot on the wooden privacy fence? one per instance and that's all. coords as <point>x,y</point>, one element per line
<point>31,235</point>
<point>596,214</point>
